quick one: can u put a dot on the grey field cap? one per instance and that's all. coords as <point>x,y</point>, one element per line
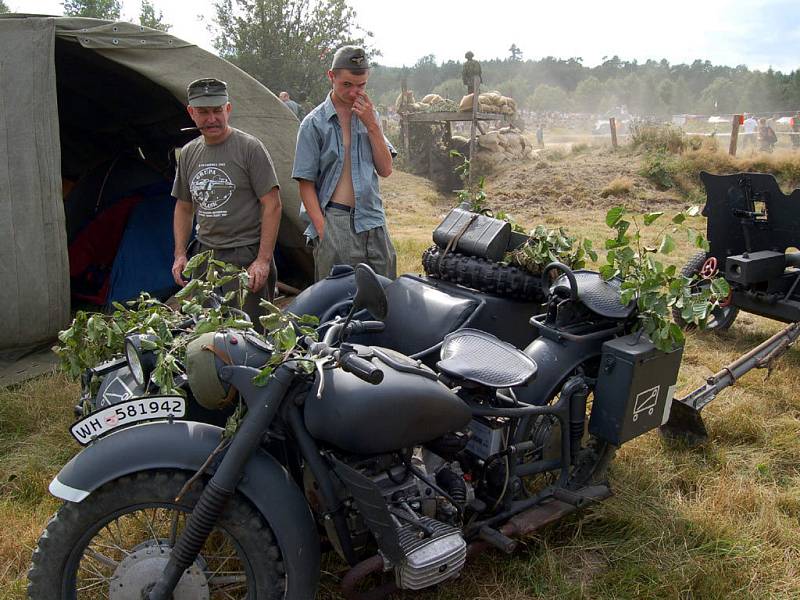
<point>351,58</point>
<point>207,92</point>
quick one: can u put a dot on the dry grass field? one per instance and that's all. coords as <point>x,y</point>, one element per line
<point>719,521</point>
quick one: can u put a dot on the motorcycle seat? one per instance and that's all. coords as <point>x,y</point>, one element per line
<point>479,357</point>
<point>598,295</point>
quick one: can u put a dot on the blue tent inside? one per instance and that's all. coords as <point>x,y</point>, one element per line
<point>119,222</point>
<point>145,254</point>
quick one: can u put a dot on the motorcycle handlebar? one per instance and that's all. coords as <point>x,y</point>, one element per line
<point>356,327</point>
<point>349,361</point>
<point>361,368</point>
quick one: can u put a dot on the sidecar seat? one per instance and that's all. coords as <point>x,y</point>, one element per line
<point>419,317</point>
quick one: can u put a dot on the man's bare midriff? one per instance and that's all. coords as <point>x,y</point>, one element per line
<point>344,192</point>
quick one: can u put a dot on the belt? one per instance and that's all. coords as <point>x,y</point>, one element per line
<point>339,206</point>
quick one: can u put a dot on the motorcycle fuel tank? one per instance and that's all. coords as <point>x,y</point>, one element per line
<point>409,407</point>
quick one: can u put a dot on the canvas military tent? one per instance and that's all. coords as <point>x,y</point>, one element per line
<point>89,113</point>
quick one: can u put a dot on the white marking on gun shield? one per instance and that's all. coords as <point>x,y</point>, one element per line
<point>645,401</point>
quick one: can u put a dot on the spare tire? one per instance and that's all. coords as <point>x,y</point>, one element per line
<point>483,275</point>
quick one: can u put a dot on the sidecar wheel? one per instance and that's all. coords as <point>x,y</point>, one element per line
<point>723,317</point>
<point>117,540</point>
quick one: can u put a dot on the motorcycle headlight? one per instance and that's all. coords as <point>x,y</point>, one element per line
<point>141,359</point>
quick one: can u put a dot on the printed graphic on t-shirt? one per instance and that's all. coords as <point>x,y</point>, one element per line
<point>211,187</point>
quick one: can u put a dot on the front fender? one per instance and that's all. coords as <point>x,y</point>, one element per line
<point>185,445</point>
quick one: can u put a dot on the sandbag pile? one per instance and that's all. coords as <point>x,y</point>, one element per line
<point>404,103</point>
<point>504,145</point>
<point>430,103</point>
<point>490,102</point>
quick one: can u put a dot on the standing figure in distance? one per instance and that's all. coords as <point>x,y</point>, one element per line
<point>471,69</point>
<point>291,104</point>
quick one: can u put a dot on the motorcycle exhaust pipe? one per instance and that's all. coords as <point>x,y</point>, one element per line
<point>362,570</point>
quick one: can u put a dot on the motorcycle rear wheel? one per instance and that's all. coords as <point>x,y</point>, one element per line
<point>115,542</point>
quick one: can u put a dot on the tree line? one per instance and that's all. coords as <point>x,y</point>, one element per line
<point>287,45</point>
<point>649,88</point>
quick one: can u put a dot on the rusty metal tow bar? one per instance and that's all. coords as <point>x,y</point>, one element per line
<point>685,422</point>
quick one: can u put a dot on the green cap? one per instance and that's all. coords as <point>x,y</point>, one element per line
<point>207,92</point>
<point>351,58</point>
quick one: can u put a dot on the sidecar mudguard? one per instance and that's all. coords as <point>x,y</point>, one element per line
<point>186,445</point>
<point>556,360</point>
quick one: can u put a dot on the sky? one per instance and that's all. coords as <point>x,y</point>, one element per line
<point>756,33</point>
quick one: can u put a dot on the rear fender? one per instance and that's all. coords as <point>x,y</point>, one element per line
<point>555,361</point>
<point>185,445</point>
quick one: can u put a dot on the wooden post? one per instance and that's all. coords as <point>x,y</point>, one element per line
<point>472,138</point>
<point>613,125</point>
<point>734,134</point>
<point>404,129</point>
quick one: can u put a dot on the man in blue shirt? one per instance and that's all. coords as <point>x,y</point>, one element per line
<point>341,151</point>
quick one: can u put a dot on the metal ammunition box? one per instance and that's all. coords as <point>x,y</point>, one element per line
<point>755,267</point>
<point>477,235</point>
<point>634,388</point>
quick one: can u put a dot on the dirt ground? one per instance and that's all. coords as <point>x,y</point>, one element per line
<point>572,176</point>
<point>563,185</point>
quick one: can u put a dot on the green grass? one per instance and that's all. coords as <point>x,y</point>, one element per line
<point>718,522</point>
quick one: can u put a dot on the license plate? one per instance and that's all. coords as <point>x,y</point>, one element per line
<point>127,413</point>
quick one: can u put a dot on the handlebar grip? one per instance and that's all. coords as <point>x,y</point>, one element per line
<point>356,327</point>
<point>361,368</point>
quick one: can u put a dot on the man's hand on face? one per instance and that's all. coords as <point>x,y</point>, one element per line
<point>258,271</point>
<point>362,107</point>
<point>177,269</point>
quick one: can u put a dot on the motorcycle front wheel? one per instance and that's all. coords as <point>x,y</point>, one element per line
<point>115,543</point>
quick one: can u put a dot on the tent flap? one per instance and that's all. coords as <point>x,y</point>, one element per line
<point>34,275</point>
<point>119,85</point>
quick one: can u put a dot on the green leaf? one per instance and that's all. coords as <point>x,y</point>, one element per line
<point>649,218</point>
<point>309,320</point>
<point>679,218</point>
<point>189,289</point>
<point>720,287</point>
<point>270,322</point>
<point>263,377</point>
<point>614,215</point>
<point>148,344</point>
<point>608,271</point>
<point>667,244</point>
<point>194,262</point>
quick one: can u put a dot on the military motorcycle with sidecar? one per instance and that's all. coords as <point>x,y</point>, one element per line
<point>400,469</point>
<point>395,466</point>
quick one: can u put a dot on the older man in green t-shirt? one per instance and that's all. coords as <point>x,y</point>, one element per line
<point>226,179</point>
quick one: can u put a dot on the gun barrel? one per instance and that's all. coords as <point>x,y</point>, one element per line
<point>760,357</point>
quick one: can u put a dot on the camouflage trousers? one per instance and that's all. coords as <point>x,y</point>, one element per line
<point>341,245</point>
